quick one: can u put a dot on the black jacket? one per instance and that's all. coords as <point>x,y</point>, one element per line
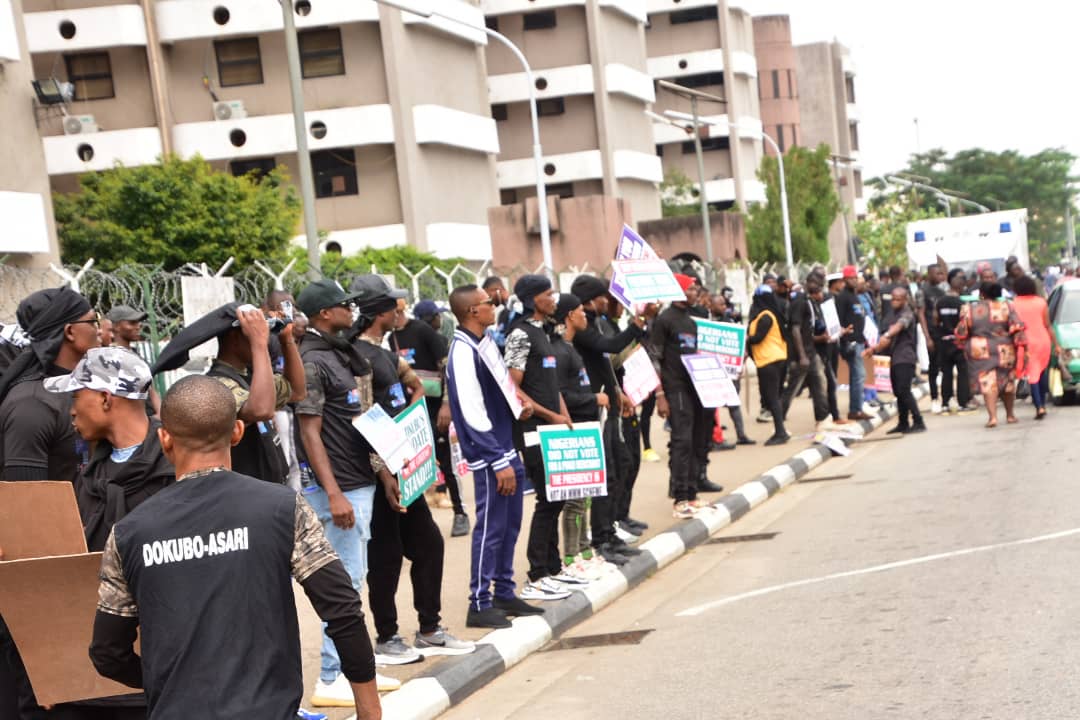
<point>594,348</point>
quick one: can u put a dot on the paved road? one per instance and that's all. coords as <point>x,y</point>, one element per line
<point>862,606</point>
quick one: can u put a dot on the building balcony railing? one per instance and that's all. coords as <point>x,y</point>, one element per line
<point>723,190</point>
<point>634,9</point>
<point>571,80</point>
<point>852,113</point>
<point>653,7</point>
<point>85,28</point>
<point>696,62</point>
<point>435,124</point>
<point>67,154</point>
<point>444,239</point>
<point>190,19</point>
<point>274,134</point>
<point>577,166</point>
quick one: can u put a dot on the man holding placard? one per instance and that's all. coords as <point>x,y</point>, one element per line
<point>673,335</point>
<point>399,532</point>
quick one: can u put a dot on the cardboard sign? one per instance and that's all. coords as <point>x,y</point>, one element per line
<point>832,319</point>
<point>882,379</point>
<point>639,378</point>
<point>419,473</point>
<point>870,332</point>
<point>644,281</point>
<point>725,340</point>
<point>457,457</point>
<point>386,437</point>
<point>573,461</point>
<point>711,380</point>
<point>493,360</point>
<point>38,519</point>
<point>633,247</point>
<point>201,295</point>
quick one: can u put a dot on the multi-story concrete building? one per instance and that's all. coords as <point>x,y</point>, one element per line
<point>709,45</point>
<point>28,236</point>
<point>593,87</point>
<point>778,82</point>
<point>397,108</point>
<point>828,114</point>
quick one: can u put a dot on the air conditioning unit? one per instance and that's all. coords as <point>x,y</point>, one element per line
<point>229,110</point>
<point>79,125</point>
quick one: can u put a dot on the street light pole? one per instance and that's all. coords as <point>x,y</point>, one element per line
<point>303,157</point>
<point>423,9</point>
<point>783,203</point>
<point>702,195</point>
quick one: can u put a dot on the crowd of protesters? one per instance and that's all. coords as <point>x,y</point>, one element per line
<point>278,404</point>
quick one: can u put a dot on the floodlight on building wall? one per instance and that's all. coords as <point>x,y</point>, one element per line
<point>53,92</point>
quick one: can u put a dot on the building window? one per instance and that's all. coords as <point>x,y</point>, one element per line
<point>701,14</point>
<point>260,166</point>
<point>239,62</point>
<point>491,23</point>
<point>562,190</point>
<point>659,151</point>
<point>335,173</point>
<point>91,74</point>
<point>551,106</point>
<point>794,135</point>
<point>776,83</point>
<point>854,136</point>
<point>508,197</point>
<point>701,80</point>
<point>707,144</point>
<point>500,112</point>
<point>539,20</point>
<point>790,84</point>
<point>780,138</point>
<point>321,54</point>
<point>849,85</point>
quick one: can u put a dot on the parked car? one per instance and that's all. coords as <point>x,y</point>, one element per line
<point>1065,321</point>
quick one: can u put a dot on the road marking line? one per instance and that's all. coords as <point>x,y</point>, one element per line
<point>699,609</point>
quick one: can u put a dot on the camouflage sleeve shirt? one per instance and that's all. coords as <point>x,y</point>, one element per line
<point>311,552</point>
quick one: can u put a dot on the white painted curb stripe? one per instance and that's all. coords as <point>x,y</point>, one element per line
<point>665,547</point>
<point>513,644</point>
<point>754,492</point>
<point>719,518</point>
<point>782,474</point>
<point>419,699</point>
<point>603,592</point>
<point>812,458</point>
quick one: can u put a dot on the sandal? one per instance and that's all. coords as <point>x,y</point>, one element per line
<point>1012,420</point>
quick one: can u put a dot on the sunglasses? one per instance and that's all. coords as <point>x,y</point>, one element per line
<point>489,301</point>
<point>96,320</point>
<point>348,305</point>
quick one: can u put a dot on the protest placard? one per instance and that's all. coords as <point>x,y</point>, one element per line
<point>711,380</point>
<point>457,457</point>
<point>493,359</point>
<point>639,376</point>
<point>725,340</point>
<point>832,319</point>
<point>870,332</point>
<point>633,247</point>
<point>573,461</point>
<point>386,436</point>
<point>882,379</point>
<point>419,472</point>
<point>644,281</point>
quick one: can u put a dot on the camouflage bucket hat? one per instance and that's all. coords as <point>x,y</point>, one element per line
<point>113,370</point>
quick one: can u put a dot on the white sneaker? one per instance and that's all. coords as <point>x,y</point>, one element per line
<point>627,537</point>
<point>587,569</point>
<point>385,684</point>
<point>825,425</point>
<point>935,407</point>
<point>544,589</point>
<point>568,576</point>
<point>336,694</point>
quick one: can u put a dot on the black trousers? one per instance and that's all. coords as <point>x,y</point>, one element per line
<point>442,455</point>
<point>813,377</point>
<point>688,446</point>
<point>604,509</point>
<point>542,550</point>
<point>413,535</point>
<point>632,444</point>
<point>951,357</point>
<point>935,368</point>
<point>647,409</point>
<point>771,379</point>
<point>828,354</point>
<point>901,377</point>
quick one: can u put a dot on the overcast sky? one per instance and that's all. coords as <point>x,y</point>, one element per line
<point>993,74</point>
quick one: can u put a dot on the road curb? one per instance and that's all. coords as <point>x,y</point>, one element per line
<point>432,693</point>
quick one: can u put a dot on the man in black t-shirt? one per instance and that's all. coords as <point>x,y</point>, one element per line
<point>927,298</point>
<point>203,572</point>
<point>804,364</point>
<point>943,322</point>
<point>901,339</point>
<point>425,349</point>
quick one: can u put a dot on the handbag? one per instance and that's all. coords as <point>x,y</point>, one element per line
<point>1023,389</point>
<point>1057,387</point>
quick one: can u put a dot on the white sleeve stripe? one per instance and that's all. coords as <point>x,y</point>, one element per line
<point>470,396</point>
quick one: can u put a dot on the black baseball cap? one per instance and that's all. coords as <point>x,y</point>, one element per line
<point>120,313</point>
<point>368,288</point>
<point>322,294</point>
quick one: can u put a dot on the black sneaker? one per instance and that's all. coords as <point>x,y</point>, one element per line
<point>777,440</point>
<point>487,618</point>
<point>612,555</point>
<point>623,549</point>
<point>638,524</point>
<point>460,526</point>
<point>919,427</point>
<point>899,430</point>
<point>709,486</point>
<point>516,606</point>
<point>746,441</point>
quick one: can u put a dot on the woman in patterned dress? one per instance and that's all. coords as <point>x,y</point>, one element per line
<point>992,336</point>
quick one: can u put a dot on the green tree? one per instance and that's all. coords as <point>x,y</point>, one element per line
<point>175,212</point>
<point>883,234</point>
<point>388,261</point>
<point>1008,180</point>
<point>678,195</point>
<point>812,205</point>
